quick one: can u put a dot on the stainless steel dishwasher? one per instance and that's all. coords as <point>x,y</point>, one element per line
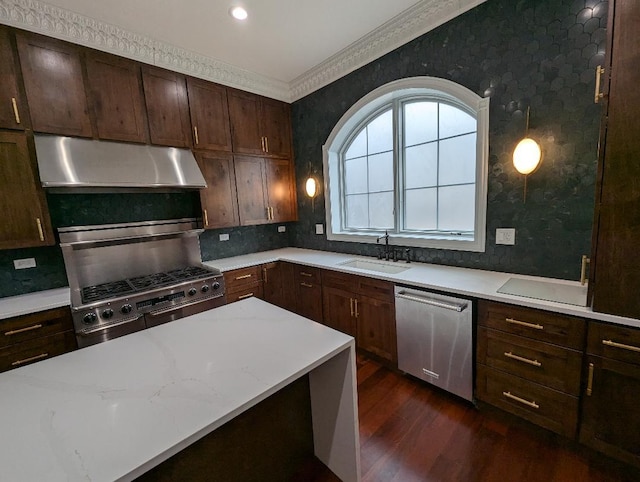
<point>435,339</point>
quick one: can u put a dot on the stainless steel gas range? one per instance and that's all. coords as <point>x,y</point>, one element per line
<point>128,277</point>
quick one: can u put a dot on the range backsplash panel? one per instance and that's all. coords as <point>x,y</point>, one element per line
<point>537,53</point>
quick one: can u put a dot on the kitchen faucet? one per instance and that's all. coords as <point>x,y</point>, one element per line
<point>386,244</point>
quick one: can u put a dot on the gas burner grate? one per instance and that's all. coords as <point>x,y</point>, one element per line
<point>105,291</point>
<point>151,281</point>
<point>190,272</point>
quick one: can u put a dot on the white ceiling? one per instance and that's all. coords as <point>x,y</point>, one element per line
<point>285,49</point>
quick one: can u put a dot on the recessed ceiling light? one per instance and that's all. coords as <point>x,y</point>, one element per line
<point>238,13</point>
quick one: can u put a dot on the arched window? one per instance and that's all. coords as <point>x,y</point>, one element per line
<point>410,158</point>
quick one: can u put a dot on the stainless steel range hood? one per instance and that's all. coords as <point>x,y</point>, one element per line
<point>68,162</point>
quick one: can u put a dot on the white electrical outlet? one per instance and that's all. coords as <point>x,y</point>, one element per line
<point>224,237</point>
<point>506,236</point>
<point>282,229</point>
<point>319,228</point>
<point>24,263</point>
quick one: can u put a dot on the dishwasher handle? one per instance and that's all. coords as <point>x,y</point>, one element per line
<point>433,302</point>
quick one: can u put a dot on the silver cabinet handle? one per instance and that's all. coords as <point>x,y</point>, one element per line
<point>521,400</point>
<point>522,359</point>
<point>432,302</point>
<point>30,359</point>
<point>89,331</point>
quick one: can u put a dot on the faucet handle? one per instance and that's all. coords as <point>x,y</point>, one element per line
<point>407,253</point>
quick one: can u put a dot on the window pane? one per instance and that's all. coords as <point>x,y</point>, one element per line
<point>357,211</point>
<point>458,160</point>
<point>421,165</point>
<point>358,147</point>
<point>420,122</point>
<point>380,133</point>
<point>420,209</point>
<point>456,208</point>
<point>381,172</point>
<point>381,210</point>
<point>453,121</point>
<point>355,175</point>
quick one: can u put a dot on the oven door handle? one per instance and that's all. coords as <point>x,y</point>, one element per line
<point>91,331</point>
<point>162,311</point>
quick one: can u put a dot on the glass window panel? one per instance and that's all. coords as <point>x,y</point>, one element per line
<point>420,122</point>
<point>456,208</point>
<point>381,172</point>
<point>454,121</point>
<point>355,175</point>
<point>421,165</point>
<point>380,133</point>
<point>420,209</point>
<point>457,160</point>
<point>357,207</point>
<point>381,210</point>
<point>358,147</point>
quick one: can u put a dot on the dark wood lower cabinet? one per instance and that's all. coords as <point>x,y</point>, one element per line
<point>376,328</point>
<point>337,306</point>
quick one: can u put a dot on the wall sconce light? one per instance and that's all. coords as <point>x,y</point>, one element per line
<point>527,156</point>
<point>311,188</point>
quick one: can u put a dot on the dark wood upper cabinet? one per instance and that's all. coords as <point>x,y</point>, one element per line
<point>259,125</point>
<point>209,115</point>
<point>251,183</point>
<point>615,276</point>
<point>12,109</point>
<point>167,103</point>
<point>219,199</point>
<point>25,217</point>
<point>280,187</point>
<point>114,85</point>
<point>53,80</point>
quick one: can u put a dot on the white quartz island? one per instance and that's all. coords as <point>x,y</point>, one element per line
<point>115,410</point>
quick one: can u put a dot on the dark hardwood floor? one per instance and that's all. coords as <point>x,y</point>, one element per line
<point>410,431</point>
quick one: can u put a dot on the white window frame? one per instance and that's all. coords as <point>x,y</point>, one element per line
<point>364,109</point>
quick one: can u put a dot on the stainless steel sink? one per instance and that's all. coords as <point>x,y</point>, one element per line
<point>378,266</point>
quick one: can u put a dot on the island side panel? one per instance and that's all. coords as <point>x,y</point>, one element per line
<point>334,410</point>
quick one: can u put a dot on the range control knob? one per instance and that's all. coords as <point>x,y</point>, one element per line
<point>108,313</point>
<point>89,318</point>
<point>192,291</point>
<point>215,285</point>
<point>126,309</point>
<point>204,288</point>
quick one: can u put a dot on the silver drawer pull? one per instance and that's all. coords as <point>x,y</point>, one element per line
<point>304,273</point>
<point>535,326</point>
<point>89,331</point>
<point>22,330</point>
<point>432,302</point>
<point>242,297</point>
<point>30,359</point>
<point>431,374</point>
<point>521,400</point>
<point>621,345</point>
<point>522,359</point>
<point>306,285</point>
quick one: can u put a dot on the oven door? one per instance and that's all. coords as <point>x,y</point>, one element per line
<point>109,332</point>
<point>165,315</point>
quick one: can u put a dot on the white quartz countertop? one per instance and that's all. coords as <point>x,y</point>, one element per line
<point>114,410</point>
<point>467,282</point>
<point>33,302</point>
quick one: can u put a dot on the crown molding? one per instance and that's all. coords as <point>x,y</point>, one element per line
<point>409,25</point>
<point>52,21</point>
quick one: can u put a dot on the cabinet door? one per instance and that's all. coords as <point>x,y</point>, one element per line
<point>24,208</point>
<point>167,103</point>
<point>276,127</point>
<point>219,199</point>
<point>244,115</point>
<point>52,72</point>
<point>209,115</point>
<point>376,327</point>
<point>12,111</point>
<point>252,184</point>
<point>615,279</point>
<point>114,85</point>
<point>280,189</point>
<point>610,410</point>
<point>337,308</point>
<point>272,283</point>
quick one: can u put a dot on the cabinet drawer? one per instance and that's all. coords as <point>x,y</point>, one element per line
<point>360,285</point>
<point>548,408</point>
<point>307,274</point>
<point>539,325</point>
<point>613,341</point>
<point>255,290</point>
<point>239,279</point>
<point>35,325</point>
<point>546,364</point>
<point>37,349</point>
<point>341,281</point>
